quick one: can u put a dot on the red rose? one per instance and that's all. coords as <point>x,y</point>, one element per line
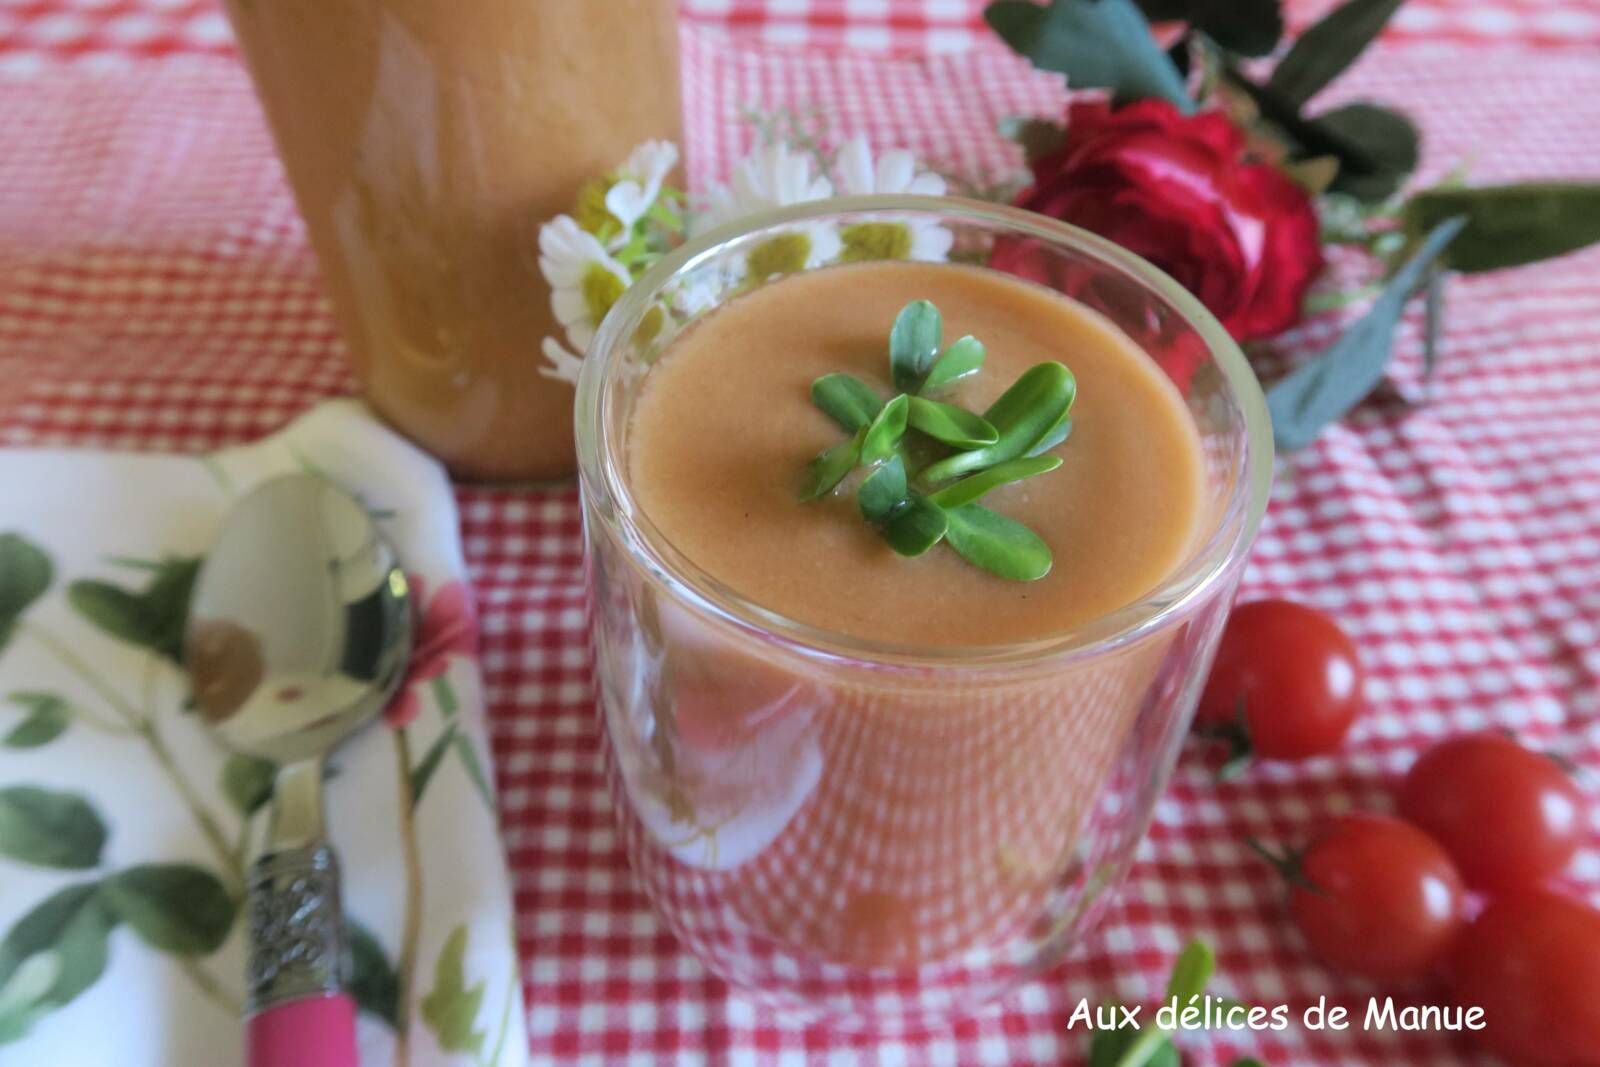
<point>1179,191</point>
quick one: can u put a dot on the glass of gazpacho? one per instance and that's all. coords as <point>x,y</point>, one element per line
<point>908,562</point>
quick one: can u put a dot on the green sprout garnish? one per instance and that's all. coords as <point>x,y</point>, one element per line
<point>930,462</point>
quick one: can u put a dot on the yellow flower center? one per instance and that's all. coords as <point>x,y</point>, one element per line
<point>875,240</point>
<point>784,254</point>
<point>650,326</point>
<point>600,288</point>
<point>591,212</point>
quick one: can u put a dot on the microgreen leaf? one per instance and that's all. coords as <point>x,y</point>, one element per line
<point>1054,435</point>
<point>968,490</point>
<point>1002,446</point>
<point>1128,1045</point>
<point>888,426</point>
<point>883,490</point>
<point>999,545</point>
<point>916,527</point>
<point>1192,970</point>
<point>846,399</point>
<point>1024,415</point>
<point>950,424</point>
<point>830,466</point>
<point>962,358</point>
<point>914,342</point>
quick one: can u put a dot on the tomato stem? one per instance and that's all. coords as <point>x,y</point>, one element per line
<point>1236,735</point>
<point>1288,864</point>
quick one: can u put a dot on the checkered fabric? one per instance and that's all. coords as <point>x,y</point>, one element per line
<point>112,33</point>
<point>156,292</point>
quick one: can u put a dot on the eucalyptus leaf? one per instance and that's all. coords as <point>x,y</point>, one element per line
<point>49,828</point>
<point>914,343</point>
<point>25,573</point>
<point>950,424</point>
<point>830,466</point>
<point>46,716</point>
<point>1509,225</point>
<point>999,545</point>
<point>173,907</point>
<point>883,490</point>
<point>66,938</point>
<point>962,358</point>
<point>1097,44</point>
<point>1381,148</point>
<point>1325,388</point>
<point>1322,53</point>
<point>887,428</point>
<point>1191,971</point>
<point>968,490</point>
<point>1024,415</point>
<point>1244,27</point>
<point>846,399</point>
<point>915,527</point>
<point>373,982</point>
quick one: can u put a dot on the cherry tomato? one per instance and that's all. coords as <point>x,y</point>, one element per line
<point>1292,675</point>
<point>1531,961</point>
<point>1375,897</point>
<point>1507,816</point>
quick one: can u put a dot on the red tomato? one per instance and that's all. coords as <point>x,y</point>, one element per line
<point>1531,961</point>
<point>1376,897</point>
<point>1292,674</point>
<point>1507,816</point>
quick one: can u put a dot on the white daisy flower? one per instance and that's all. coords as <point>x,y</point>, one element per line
<point>770,176</point>
<point>895,172</point>
<point>584,280</point>
<point>562,365</point>
<point>638,181</point>
<point>774,176</point>
<point>889,237</point>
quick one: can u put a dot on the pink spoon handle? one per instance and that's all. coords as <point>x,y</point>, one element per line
<point>310,1032</point>
<point>299,1013</point>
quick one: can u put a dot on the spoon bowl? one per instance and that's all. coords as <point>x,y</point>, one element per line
<point>299,628</point>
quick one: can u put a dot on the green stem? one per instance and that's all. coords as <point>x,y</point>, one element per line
<point>505,1009</point>
<point>406,965</point>
<point>1339,299</point>
<point>219,475</point>
<point>209,827</point>
<point>88,675</point>
<point>143,724</point>
<point>207,983</point>
<point>241,844</point>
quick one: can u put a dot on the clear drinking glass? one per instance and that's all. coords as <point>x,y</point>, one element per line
<point>866,831</point>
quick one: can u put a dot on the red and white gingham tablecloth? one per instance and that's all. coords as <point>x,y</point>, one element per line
<point>156,292</point>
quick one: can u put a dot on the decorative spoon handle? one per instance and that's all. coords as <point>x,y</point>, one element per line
<point>299,1014</point>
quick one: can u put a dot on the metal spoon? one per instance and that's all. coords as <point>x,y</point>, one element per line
<point>298,635</point>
